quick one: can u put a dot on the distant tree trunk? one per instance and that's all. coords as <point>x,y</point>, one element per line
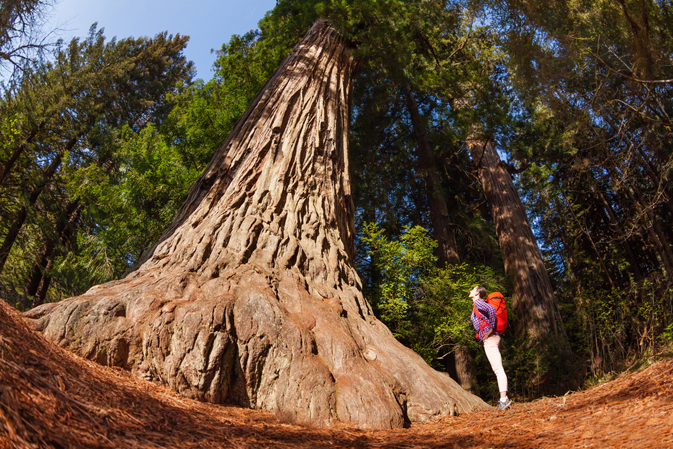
<point>21,216</point>
<point>614,222</point>
<point>44,283</point>
<point>539,321</point>
<point>39,278</point>
<point>465,369</point>
<point>251,295</point>
<point>447,250</point>
<point>18,151</point>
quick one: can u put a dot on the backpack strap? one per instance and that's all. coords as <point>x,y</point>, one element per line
<point>483,322</point>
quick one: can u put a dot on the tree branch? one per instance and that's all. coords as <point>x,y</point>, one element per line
<point>637,80</point>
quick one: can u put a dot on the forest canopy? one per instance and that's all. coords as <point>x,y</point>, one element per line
<point>567,105</point>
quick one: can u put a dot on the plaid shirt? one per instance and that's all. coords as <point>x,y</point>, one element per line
<point>487,312</point>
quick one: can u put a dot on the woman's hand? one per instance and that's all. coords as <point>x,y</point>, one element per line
<point>488,334</point>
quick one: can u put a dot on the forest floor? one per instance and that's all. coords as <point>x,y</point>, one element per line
<point>52,398</point>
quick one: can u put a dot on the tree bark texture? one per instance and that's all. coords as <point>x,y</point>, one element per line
<point>539,321</point>
<point>460,365</point>
<point>251,296</point>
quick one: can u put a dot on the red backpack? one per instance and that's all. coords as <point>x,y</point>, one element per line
<point>497,300</point>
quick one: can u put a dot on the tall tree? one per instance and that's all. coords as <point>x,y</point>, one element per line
<point>439,213</point>
<point>251,295</point>
<point>64,230</point>
<point>538,319</point>
<point>68,115</point>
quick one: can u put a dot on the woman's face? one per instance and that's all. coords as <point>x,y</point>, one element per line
<point>474,294</point>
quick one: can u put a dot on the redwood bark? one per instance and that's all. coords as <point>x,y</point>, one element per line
<point>539,321</point>
<point>465,369</point>
<point>447,249</point>
<point>251,295</point>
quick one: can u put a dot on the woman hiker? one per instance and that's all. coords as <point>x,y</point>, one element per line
<point>486,333</point>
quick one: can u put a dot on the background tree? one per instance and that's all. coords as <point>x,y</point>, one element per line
<point>67,117</point>
<point>595,81</point>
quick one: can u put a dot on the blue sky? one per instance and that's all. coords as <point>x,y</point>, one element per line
<point>209,23</point>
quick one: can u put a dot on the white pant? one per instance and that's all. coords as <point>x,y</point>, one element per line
<point>492,348</point>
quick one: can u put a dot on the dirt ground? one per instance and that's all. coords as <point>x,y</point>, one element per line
<point>51,398</point>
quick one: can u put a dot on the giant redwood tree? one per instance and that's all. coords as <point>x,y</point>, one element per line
<point>251,296</point>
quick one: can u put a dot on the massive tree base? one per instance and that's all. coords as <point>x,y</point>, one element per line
<point>251,296</point>
<point>248,339</point>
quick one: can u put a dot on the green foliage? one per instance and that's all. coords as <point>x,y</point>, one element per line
<point>448,299</point>
<point>404,265</point>
<point>667,334</point>
<point>130,207</point>
<point>205,113</point>
<point>71,117</point>
<point>9,132</point>
<point>426,307</point>
<point>522,367</point>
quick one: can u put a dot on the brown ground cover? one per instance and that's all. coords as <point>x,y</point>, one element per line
<point>51,398</point>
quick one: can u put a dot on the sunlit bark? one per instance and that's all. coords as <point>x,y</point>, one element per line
<point>251,295</point>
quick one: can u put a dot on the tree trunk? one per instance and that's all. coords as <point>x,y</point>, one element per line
<point>9,163</point>
<point>539,321</point>
<point>251,295</point>
<point>465,370</point>
<point>21,216</point>
<point>447,249</point>
<point>39,279</point>
<point>39,269</point>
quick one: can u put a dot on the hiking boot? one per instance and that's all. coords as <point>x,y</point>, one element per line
<point>503,405</point>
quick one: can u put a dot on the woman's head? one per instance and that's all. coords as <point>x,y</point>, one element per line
<point>478,292</point>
